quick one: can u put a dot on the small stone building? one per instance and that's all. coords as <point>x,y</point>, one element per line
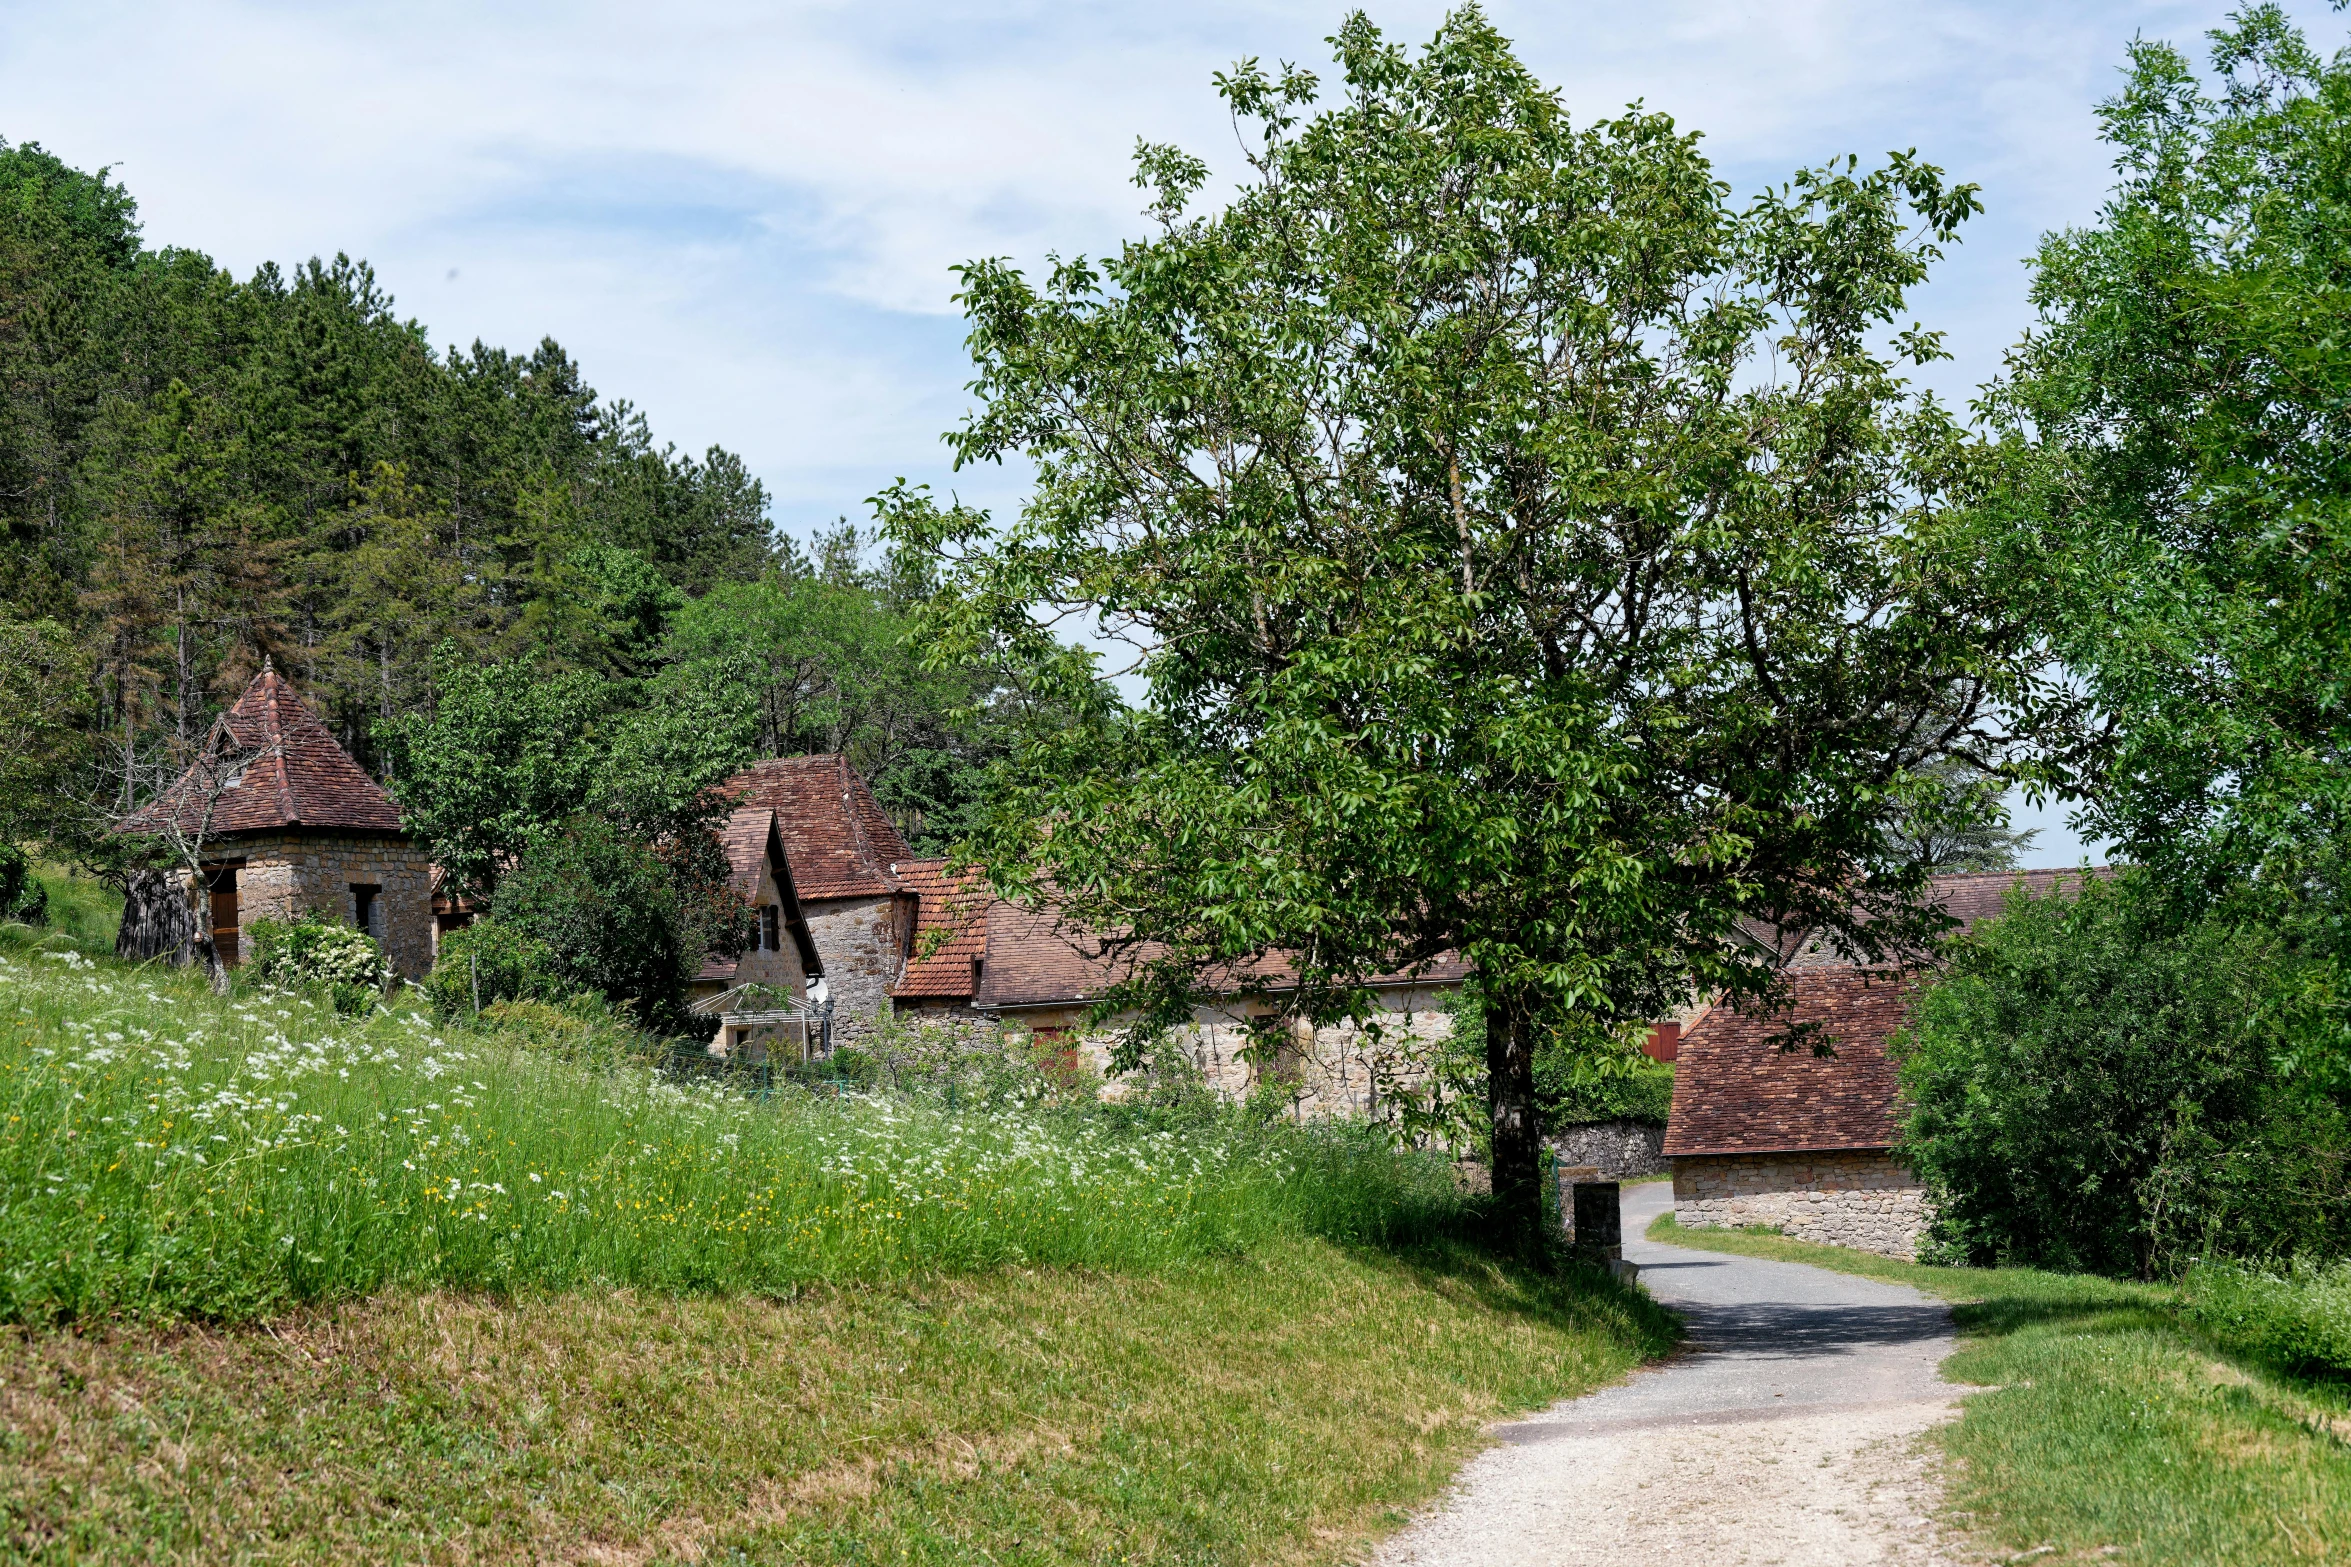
<point>1765,1136</point>
<point>302,828</point>
<point>761,997</point>
<point>844,856</point>
<point>950,946</point>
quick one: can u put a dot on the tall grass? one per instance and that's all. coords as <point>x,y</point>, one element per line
<point>165,1152</point>
<point>2298,1316</point>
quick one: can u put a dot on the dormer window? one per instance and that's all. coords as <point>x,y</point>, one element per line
<point>771,928</point>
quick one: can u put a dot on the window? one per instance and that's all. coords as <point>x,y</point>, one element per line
<point>771,928</point>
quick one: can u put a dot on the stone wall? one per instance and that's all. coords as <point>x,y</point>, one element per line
<point>285,874</point>
<point>1860,1199</point>
<point>862,943</point>
<point>1335,1070</point>
<point>1620,1150</point>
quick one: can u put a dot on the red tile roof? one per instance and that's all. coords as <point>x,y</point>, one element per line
<point>1736,1091</point>
<point>950,932</point>
<point>1034,958</point>
<point>840,843</point>
<point>752,842</point>
<point>304,780</point>
<point>1967,896</point>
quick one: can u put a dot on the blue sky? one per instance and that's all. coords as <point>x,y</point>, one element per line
<point>742,217</point>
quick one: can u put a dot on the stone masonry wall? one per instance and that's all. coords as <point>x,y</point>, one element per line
<point>863,946</point>
<point>1329,1071</point>
<point>286,874</point>
<point>1859,1199</point>
<point>1621,1150</point>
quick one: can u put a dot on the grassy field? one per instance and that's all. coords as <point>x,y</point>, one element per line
<point>2118,1430</point>
<point>283,1286</point>
<point>169,1153</point>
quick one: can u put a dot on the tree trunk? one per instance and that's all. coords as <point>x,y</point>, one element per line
<point>1517,1121</point>
<point>158,919</point>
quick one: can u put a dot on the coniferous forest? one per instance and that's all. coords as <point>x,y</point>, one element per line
<point>200,471</point>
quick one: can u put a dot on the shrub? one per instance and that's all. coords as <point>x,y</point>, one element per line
<point>485,963</point>
<point>23,898</point>
<point>2300,1318</point>
<point>2094,1090</point>
<point>606,912</point>
<point>313,950</point>
<point>1577,1094</point>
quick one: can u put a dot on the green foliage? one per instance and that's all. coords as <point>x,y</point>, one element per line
<point>167,1153</point>
<point>311,949</point>
<point>2092,1088</point>
<point>2184,536</point>
<point>580,1030</point>
<point>604,910</point>
<point>23,898</point>
<point>503,756</point>
<point>2298,1317</point>
<point>487,962</point>
<point>1581,1078</point>
<point>1574,1094</point>
<point>1488,594</point>
<point>44,712</point>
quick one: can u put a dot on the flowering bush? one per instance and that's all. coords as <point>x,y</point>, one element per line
<point>311,950</point>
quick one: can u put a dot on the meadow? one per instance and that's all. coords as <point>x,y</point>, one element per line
<point>278,1285</point>
<point>168,1153</point>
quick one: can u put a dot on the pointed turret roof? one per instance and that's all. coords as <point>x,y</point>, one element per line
<point>840,841</point>
<point>299,776</point>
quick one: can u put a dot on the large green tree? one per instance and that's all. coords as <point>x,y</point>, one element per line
<point>1523,551</point>
<point>2186,540</point>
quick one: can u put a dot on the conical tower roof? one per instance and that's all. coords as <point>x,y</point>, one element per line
<point>300,777</point>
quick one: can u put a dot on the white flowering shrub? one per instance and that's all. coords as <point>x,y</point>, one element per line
<point>313,951</point>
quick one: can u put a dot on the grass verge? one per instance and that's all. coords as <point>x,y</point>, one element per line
<point>1280,1407</point>
<point>2117,1430</point>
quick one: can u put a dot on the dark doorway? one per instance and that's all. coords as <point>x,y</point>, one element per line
<point>221,882</point>
<point>367,911</point>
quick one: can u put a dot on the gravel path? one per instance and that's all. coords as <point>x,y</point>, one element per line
<point>1785,1435</point>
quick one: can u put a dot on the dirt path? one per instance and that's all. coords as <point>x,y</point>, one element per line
<point>1785,1436</point>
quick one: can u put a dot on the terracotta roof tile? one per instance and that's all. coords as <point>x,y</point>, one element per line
<point>840,842</point>
<point>1035,958</point>
<point>305,780</point>
<point>1736,1091</point>
<point>950,932</point>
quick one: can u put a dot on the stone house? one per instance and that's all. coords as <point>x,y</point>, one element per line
<point>1762,1136</point>
<point>844,855</point>
<point>302,828</point>
<point>1028,971</point>
<point>1765,1136</point>
<point>761,997</point>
